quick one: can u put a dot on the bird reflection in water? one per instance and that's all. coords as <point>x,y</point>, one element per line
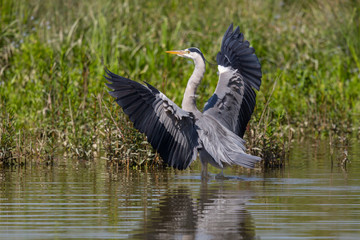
<point>216,213</point>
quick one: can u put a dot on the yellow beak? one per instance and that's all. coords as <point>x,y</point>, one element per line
<point>178,52</point>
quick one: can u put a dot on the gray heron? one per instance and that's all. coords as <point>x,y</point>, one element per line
<point>181,134</point>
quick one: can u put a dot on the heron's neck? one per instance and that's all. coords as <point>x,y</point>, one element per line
<point>189,100</point>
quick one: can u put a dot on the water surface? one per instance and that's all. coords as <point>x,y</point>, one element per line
<point>311,198</point>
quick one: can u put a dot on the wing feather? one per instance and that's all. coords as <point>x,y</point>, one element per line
<point>240,75</point>
<point>169,129</point>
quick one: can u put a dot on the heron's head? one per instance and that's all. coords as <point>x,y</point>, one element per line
<point>192,53</point>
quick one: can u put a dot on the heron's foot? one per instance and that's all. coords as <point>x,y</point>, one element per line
<point>221,176</point>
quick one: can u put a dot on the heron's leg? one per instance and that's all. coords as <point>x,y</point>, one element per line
<point>204,170</point>
<point>204,159</point>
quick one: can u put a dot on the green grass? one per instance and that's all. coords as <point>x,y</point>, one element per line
<point>52,95</point>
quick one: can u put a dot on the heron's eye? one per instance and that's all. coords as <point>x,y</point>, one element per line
<point>187,51</point>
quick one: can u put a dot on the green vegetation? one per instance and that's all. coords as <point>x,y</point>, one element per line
<point>53,101</point>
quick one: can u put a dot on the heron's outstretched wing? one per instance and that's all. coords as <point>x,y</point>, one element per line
<point>239,72</point>
<point>169,129</point>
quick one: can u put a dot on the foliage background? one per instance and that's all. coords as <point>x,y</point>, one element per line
<point>53,101</point>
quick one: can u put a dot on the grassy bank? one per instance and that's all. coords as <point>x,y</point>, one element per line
<point>53,101</point>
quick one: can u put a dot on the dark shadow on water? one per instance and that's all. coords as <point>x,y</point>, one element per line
<point>211,213</point>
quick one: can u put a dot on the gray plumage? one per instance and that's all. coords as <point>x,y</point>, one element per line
<point>179,134</point>
<point>234,99</point>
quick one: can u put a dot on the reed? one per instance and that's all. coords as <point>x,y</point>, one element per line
<point>53,102</point>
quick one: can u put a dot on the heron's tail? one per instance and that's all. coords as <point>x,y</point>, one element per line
<point>244,159</point>
<point>224,146</point>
